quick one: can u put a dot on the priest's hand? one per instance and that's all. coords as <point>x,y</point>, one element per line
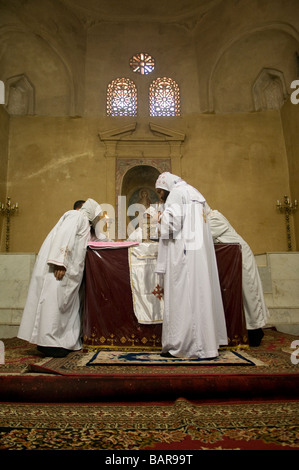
<point>59,272</point>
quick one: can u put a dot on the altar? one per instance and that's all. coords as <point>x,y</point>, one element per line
<point>114,301</point>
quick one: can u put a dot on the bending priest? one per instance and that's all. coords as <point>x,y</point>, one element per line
<point>255,309</point>
<point>51,318</point>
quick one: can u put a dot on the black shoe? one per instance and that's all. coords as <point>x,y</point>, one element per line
<point>166,354</point>
<point>255,337</point>
<point>53,352</point>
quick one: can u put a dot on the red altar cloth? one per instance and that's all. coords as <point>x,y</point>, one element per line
<point>109,321</point>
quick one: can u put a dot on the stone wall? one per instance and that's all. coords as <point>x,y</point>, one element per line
<point>290,124</point>
<point>15,275</point>
<point>4,141</point>
<point>280,279</point>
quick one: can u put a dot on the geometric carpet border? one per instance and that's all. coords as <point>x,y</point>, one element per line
<point>142,358</point>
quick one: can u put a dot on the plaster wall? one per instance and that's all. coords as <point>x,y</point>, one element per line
<point>4,140</point>
<point>241,158</point>
<point>290,124</point>
<point>172,47</point>
<point>238,162</point>
<point>4,145</point>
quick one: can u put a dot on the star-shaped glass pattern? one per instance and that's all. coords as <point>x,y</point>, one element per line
<point>142,63</point>
<point>121,98</point>
<point>164,97</point>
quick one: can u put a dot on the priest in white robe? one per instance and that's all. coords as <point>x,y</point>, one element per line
<point>255,309</point>
<point>194,321</point>
<point>51,318</point>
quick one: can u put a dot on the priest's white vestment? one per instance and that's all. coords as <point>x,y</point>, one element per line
<point>51,315</point>
<point>255,309</point>
<point>194,321</point>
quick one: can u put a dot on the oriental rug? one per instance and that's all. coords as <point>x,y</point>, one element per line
<point>273,356</point>
<point>26,376</point>
<point>179,425</point>
<point>120,358</point>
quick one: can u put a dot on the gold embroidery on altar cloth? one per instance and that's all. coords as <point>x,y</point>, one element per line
<point>127,344</point>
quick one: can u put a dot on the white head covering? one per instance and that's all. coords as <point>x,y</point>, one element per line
<point>91,208</point>
<point>167,181</point>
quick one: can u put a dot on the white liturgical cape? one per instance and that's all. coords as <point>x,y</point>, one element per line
<point>194,321</point>
<point>52,311</point>
<point>255,309</point>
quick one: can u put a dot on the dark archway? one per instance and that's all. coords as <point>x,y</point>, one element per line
<point>138,186</point>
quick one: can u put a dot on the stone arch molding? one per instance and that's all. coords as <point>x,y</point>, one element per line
<point>279,26</point>
<point>145,144</point>
<point>269,90</point>
<point>20,95</point>
<point>58,53</point>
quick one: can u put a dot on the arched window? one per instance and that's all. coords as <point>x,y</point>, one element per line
<point>164,97</point>
<point>121,98</point>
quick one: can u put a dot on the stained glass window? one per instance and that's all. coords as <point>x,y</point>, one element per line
<point>121,98</point>
<point>164,97</point>
<point>142,63</point>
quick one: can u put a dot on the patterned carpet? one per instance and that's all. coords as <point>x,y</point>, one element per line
<point>181,425</point>
<point>151,424</point>
<point>273,356</point>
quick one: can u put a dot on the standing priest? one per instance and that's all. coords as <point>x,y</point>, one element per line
<point>194,322</point>
<point>51,318</point>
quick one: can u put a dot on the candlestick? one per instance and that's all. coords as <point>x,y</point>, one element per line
<point>287,208</point>
<point>7,210</point>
